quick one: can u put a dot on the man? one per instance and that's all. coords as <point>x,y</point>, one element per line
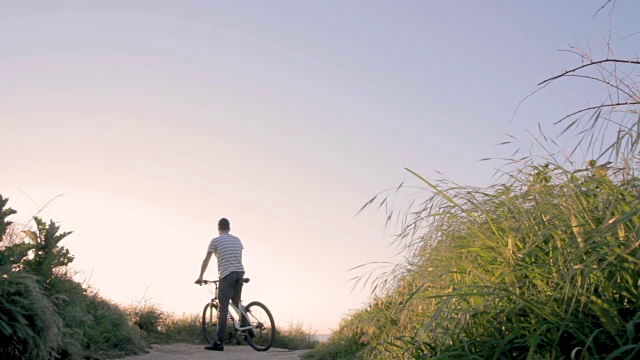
<point>228,250</point>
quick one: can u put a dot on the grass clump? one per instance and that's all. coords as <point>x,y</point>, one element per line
<point>184,328</point>
<point>160,327</point>
<point>295,337</point>
<point>149,319</point>
<point>111,334</point>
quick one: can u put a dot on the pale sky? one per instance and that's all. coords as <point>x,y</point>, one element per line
<point>153,119</point>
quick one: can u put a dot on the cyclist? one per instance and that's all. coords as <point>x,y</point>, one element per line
<point>228,250</point>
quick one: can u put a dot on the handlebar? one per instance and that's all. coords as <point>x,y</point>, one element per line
<point>206,282</point>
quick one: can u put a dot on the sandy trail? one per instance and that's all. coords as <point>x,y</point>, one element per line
<point>196,352</point>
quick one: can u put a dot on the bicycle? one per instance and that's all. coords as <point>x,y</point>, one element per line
<point>261,332</point>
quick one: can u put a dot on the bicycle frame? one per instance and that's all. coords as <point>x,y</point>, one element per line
<point>260,330</point>
<point>239,312</point>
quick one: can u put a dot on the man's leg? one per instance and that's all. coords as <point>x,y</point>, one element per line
<point>237,287</point>
<point>237,294</point>
<point>225,292</point>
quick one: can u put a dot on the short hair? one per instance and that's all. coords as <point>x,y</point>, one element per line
<point>223,224</point>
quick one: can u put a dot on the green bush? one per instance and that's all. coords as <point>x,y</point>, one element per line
<point>29,325</point>
<point>94,327</point>
<point>110,333</point>
<point>70,300</point>
<point>44,313</point>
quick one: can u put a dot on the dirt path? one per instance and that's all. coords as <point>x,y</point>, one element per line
<point>196,352</point>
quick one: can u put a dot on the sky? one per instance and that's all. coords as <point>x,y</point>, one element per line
<point>140,123</point>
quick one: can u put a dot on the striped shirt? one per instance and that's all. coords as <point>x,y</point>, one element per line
<point>228,250</point>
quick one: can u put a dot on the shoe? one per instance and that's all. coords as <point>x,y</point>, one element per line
<point>216,346</point>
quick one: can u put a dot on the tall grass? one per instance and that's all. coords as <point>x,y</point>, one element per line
<point>544,264</point>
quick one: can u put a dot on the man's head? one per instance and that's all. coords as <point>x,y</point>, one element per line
<point>223,225</point>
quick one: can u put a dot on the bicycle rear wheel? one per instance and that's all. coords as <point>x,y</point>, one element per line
<point>210,322</point>
<point>264,326</point>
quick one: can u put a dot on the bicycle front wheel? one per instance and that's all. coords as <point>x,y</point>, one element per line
<point>263,326</point>
<point>210,322</point>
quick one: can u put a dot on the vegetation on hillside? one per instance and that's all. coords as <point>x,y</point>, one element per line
<point>46,314</point>
<point>543,264</point>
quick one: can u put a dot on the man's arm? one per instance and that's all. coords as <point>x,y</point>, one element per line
<point>203,268</point>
